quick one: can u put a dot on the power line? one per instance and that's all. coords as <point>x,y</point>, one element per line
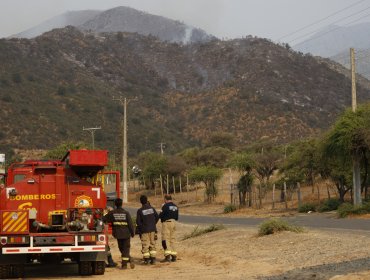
<point>331,30</point>
<point>320,20</point>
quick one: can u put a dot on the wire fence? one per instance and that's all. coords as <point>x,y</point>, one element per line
<point>273,197</point>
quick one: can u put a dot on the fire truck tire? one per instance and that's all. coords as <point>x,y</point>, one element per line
<point>98,268</point>
<point>18,271</point>
<point>85,268</point>
<point>5,272</point>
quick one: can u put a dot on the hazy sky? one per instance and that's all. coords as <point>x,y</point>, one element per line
<point>223,18</point>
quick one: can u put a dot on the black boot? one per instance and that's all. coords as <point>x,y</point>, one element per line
<point>111,263</point>
<point>173,258</point>
<point>166,259</point>
<point>152,260</point>
<point>124,265</point>
<point>146,260</point>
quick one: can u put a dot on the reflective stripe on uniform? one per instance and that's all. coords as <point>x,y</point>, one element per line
<point>146,255</point>
<point>173,253</point>
<point>167,252</point>
<point>119,223</point>
<point>152,252</point>
<point>125,259</point>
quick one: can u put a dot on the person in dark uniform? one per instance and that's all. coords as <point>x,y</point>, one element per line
<point>122,230</point>
<point>146,221</point>
<point>169,215</point>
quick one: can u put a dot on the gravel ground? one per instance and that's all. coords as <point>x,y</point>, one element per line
<point>238,253</point>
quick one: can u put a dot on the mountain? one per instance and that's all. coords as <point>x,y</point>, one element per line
<point>122,19</point>
<point>54,85</point>
<point>74,18</point>
<point>334,39</point>
<point>126,19</point>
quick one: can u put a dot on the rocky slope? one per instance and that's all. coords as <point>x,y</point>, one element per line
<point>55,84</point>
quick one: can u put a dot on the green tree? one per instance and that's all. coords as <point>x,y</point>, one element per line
<point>221,139</point>
<point>348,142</point>
<point>214,156</point>
<point>153,166</point>
<point>176,168</point>
<point>266,163</point>
<point>245,185</point>
<point>339,171</point>
<point>301,164</point>
<point>191,156</point>
<point>176,165</point>
<point>208,175</point>
<point>244,163</point>
<point>60,151</point>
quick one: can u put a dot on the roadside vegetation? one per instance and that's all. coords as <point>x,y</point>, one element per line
<point>197,231</point>
<point>328,205</point>
<point>229,208</point>
<point>347,209</point>
<point>277,225</point>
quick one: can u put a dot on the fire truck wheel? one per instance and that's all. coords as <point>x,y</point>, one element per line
<point>98,268</point>
<point>5,272</point>
<point>18,271</point>
<point>85,268</point>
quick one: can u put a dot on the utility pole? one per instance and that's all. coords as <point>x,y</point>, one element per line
<point>353,75</point>
<point>356,157</point>
<point>123,102</point>
<point>92,131</point>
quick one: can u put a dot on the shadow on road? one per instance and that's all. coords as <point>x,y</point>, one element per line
<point>324,271</point>
<point>50,271</point>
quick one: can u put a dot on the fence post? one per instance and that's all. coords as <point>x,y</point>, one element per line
<point>273,196</point>
<point>285,196</point>
<point>187,187</point>
<point>167,185</point>
<point>299,194</point>
<point>180,185</point>
<point>160,177</point>
<point>173,184</point>
<point>155,189</point>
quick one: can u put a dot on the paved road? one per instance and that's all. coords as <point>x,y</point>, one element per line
<point>313,220</point>
<point>309,220</point>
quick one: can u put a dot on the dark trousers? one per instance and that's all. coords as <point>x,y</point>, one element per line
<point>124,247</point>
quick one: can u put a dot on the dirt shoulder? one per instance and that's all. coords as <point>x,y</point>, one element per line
<point>240,254</point>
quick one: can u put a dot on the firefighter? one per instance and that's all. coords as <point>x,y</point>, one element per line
<point>146,220</point>
<point>123,230</point>
<point>169,215</point>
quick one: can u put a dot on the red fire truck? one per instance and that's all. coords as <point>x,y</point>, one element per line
<point>52,211</point>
